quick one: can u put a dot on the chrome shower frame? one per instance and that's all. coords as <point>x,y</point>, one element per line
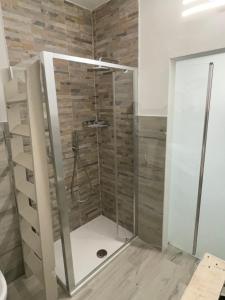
<point>54,129</point>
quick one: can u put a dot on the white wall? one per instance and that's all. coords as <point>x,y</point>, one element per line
<point>165,34</point>
<point>4,62</point>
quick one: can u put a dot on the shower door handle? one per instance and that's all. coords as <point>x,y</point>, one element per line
<point>203,152</point>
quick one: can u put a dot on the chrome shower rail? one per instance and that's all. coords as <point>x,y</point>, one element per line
<point>54,127</point>
<point>50,56</point>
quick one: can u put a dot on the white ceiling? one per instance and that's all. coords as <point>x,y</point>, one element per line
<point>89,4</point>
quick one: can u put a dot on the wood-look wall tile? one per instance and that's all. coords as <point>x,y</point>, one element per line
<point>151,170</point>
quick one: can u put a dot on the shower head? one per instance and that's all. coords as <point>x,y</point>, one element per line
<point>99,68</point>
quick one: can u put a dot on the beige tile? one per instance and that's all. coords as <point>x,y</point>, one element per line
<point>151,171</point>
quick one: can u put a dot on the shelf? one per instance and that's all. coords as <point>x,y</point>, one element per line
<point>30,237</point>
<point>21,130</point>
<point>25,160</point>
<point>26,188</point>
<point>27,212</point>
<point>19,98</point>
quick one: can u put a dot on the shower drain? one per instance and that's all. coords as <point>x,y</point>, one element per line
<point>101,253</point>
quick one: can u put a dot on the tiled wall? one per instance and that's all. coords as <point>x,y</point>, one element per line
<point>124,122</point>
<point>76,104</point>
<point>151,169</point>
<point>116,144</point>
<point>104,90</point>
<point>116,31</point>
<point>116,38</point>
<point>35,25</point>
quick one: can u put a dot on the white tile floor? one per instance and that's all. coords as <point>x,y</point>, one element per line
<point>99,233</point>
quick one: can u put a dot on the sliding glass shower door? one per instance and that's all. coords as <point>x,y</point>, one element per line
<point>211,235</point>
<point>188,120</point>
<point>91,114</point>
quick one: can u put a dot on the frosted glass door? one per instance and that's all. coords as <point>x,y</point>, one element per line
<point>211,236</point>
<point>186,143</point>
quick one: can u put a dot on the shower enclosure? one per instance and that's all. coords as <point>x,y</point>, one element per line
<point>195,157</point>
<point>91,107</point>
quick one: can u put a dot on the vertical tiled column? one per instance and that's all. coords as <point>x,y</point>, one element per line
<point>151,161</point>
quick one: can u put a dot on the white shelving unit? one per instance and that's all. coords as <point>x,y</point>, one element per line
<point>33,198</point>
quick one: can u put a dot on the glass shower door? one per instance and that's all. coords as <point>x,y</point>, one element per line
<point>211,236</point>
<point>187,132</point>
<point>186,145</point>
<point>91,117</point>
<point>124,150</point>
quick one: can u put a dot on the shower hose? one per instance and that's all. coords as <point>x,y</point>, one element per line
<point>76,160</point>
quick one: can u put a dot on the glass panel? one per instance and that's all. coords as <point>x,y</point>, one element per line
<point>96,115</point>
<point>124,145</point>
<point>212,222</point>
<point>186,144</point>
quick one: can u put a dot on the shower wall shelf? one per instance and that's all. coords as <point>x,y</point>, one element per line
<point>33,199</point>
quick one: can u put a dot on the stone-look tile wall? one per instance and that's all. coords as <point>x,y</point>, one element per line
<point>11,263</point>
<point>151,169</point>
<point>116,38</point>
<point>76,104</point>
<point>104,90</point>
<point>124,122</point>
<point>32,26</point>
<point>116,144</point>
<point>116,31</point>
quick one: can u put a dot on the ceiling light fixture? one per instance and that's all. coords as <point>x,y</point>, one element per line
<point>203,7</point>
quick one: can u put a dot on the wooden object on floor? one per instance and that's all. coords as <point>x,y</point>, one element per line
<point>207,281</point>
